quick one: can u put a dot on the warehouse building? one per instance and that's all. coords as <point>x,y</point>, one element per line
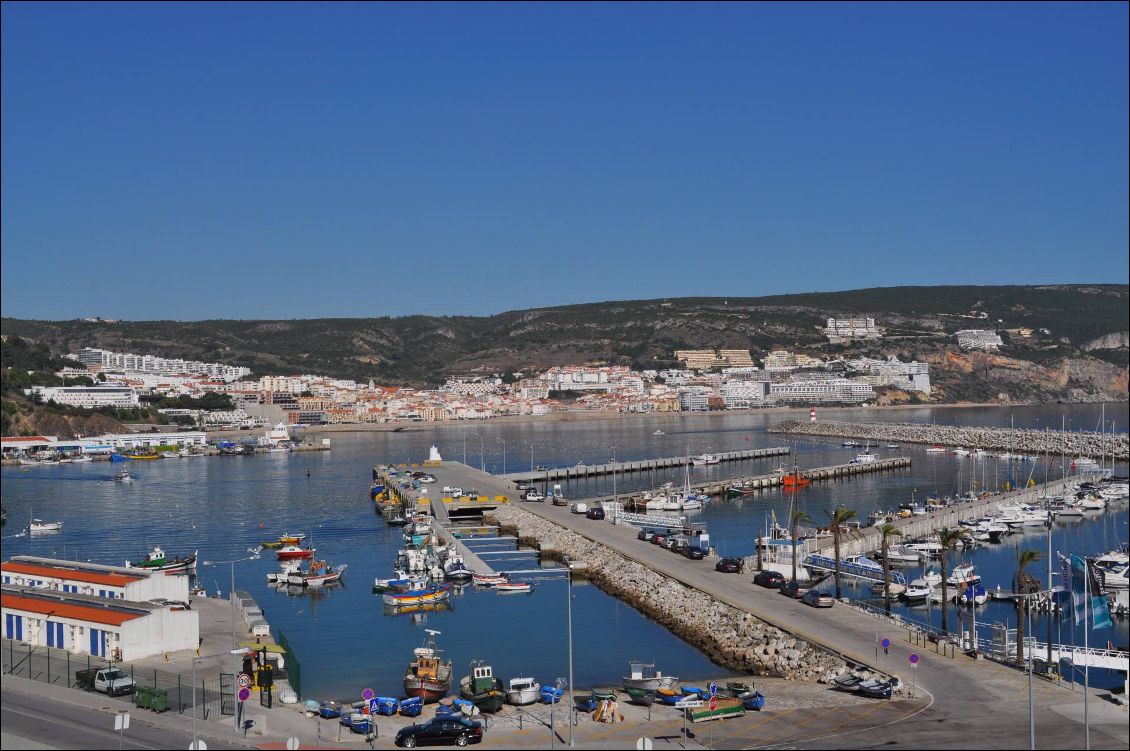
<point>88,624</point>
<point>111,582</point>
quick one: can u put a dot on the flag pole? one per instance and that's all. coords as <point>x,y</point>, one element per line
<point>1087,651</point>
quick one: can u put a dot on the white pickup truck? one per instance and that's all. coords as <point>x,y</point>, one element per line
<point>112,681</point>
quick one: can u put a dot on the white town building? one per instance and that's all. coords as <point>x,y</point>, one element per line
<point>103,395</point>
<point>978,339</point>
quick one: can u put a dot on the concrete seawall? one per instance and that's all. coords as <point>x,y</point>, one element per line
<point>729,636</point>
<point>1014,440</point>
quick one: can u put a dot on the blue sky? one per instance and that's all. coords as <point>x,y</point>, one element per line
<point>260,161</point>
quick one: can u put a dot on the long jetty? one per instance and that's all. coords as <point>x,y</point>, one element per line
<point>760,482</point>
<point>1012,440</point>
<point>643,465</point>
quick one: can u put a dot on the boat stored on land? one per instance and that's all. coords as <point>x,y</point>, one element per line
<point>643,675</point>
<point>482,688</point>
<point>428,677</point>
<point>522,691</point>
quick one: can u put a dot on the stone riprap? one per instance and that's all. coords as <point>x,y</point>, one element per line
<point>1016,440</point>
<point>731,637</point>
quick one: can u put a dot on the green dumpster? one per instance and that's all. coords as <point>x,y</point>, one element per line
<point>159,700</point>
<point>143,697</point>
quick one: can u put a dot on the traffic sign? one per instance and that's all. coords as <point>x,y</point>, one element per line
<point>713,703</point>
<point>644,744</point>
<point>913,658</point>
<point>886,643</point>
<point>373,707</point>
<point>243,680</point>
<point>689,703</point>
<point>121,721</point>
<point>368,694</point>
<point>244,694</point>
<point>713,688</point>
<point>292,743</point>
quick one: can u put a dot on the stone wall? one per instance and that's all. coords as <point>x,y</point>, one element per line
<point>730,637</point>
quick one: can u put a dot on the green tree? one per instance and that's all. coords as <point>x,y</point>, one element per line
<point>839,517</point>
<point>887,531</point>
<point>1024,558</point>
<point>797,518</point>
<point>948,539</point>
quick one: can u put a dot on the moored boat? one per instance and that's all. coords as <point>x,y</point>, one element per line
<point>319,575</point>
<point>482,688</point>
<point>157,560</point>
<point>291,552</point>
<point>419,592</point>
<point>483,580</point>
<point>38,525</point>
<point>522,691</point>
<point>513,588</point>
<point>428,677</point>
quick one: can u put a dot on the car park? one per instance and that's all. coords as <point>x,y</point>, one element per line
<point>817,599</point>
<point>730,565</point>
<point>793,589</point>
<point>770,579</point>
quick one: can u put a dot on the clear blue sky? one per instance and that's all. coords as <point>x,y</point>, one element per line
<point>255,161</point>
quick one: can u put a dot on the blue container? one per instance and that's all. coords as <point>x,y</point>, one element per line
<point>551,695</point>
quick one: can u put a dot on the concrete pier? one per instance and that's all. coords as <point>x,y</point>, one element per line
<point>643,465</point>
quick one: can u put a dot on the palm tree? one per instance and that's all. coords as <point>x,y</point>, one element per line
<point>839,517</point>
<point>948,538</point>
<point>887,531</point>
<point>797,518</point>
<point>1024,558</point>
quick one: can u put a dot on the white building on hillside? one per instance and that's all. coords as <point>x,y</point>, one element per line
<point>978,339</point>
<point>908,376</point>
<point>816,391</point>
<point>103,395</point>
<point>841,330</point>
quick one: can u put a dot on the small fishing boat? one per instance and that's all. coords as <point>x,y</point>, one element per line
<point>37,526</point>
<point>319,575</point>
<point>585,703</point>
<point>122,475</point>
<point>878,688</point>
<point>522,691</point>
<point>419,592</point>
<point>411,707</point>
<point>669,696</point>
<point>847,682</point>
<point>456,568</point>
<point>976,592</point>
<point>510,587</point>
<point>387,705</point>
<point>735,690</point>
<point>754,702</point>
<point>482,688</point>
<point>642,696</point>
<point>963,575</point>
<point>292,552</point>
<point>643,675</point>
<point>659,432</point>
<point>937,448</point>
<point>550,694</point>
<point>428,677</point>
<point>157,560</point>
<point>893,446</point>
<point>329,710</point>
<point>705,459</point>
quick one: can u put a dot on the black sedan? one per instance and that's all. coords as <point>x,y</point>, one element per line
<point>770,579</point>
<point>794,590</point>
<point>441,731</point>
<point>729,565</point>
<point>693,552</point>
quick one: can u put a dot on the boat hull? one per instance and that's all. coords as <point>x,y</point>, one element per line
<point>429,691</point>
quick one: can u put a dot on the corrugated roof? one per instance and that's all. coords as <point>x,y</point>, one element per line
<point>59,609</point>
<point>62,572</point>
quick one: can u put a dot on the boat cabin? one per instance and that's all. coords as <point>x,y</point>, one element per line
<point>482,678</point>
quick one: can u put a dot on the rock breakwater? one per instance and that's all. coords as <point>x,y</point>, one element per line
<point>727,635</point>
<point>1016,440</point>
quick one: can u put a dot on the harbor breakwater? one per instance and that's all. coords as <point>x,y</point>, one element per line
<point>1013,440</point>
<point>729,636</point>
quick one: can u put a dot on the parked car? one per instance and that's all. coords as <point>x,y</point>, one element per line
<point>770,579</point>
<point>646,535</point>
<point>670,543</point>
<point>658,539</point>
<point>817,599</point>
<point>595,513</point>
<point>694,552</point>
<point>681,544</point>
<point>441,730</point>
<point>533,495</point>
<point>111,681</point>
<point>794,589</point>
<point>730,565</point>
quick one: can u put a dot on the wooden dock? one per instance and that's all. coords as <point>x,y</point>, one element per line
<point>644,465</point>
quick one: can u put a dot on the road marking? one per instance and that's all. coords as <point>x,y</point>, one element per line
<point>71,726</point>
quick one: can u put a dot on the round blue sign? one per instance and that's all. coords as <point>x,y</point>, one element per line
<point>913,658</point>
<point>886,643</point>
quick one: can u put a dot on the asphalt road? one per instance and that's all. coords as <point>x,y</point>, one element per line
<point>971,699</point>
<point>73,727</point>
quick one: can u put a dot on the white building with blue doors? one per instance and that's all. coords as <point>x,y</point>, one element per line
<point>87,624</point>
<point>112,582</point>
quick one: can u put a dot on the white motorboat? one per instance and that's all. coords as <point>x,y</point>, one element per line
<point>704,459</point>
<point>936,449</point>
<point>1092,503</point>
<point>81,459</point>
<point>927,548</point>
<point>976,591</point>
<point>38,525</point>
<point>659,432</point>
<point>122,475</point>
<point>644,676</point>
<point>522,691</point>
<point>960,452</point>
<point>932,577</point>
<point>917,591</point>
<point>456,568</point>
<point>896,589</point>
<point>865,458</point>
<point>963,575</point>
<point>902,554</point>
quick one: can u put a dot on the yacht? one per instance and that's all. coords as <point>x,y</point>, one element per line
<point>704,459</point>
<point>963,575</point>
<point>917,591</point>
<point>864,458</point>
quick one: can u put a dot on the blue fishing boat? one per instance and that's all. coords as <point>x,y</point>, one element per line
<point>387,705</point>
<point>412,707</point>
<point>754,702</point>
<point>551,694</point>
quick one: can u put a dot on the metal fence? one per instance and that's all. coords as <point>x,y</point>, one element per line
<point>293,669</point>
<point>59,667</point>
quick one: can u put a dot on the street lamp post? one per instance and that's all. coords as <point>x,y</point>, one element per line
<point>231,597</point>
<point>241,651</point>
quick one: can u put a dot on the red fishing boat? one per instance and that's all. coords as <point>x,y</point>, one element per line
<point>293,552</point>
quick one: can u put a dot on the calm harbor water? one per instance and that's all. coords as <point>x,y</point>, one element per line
<point>345,641</point>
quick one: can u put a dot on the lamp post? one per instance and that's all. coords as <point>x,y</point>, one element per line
<point>231,597</point>
<point>240,651</point>
<point>1028,656</point>
<point>615,495</point>
<point>482,461</point>
<point>503,454</point>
